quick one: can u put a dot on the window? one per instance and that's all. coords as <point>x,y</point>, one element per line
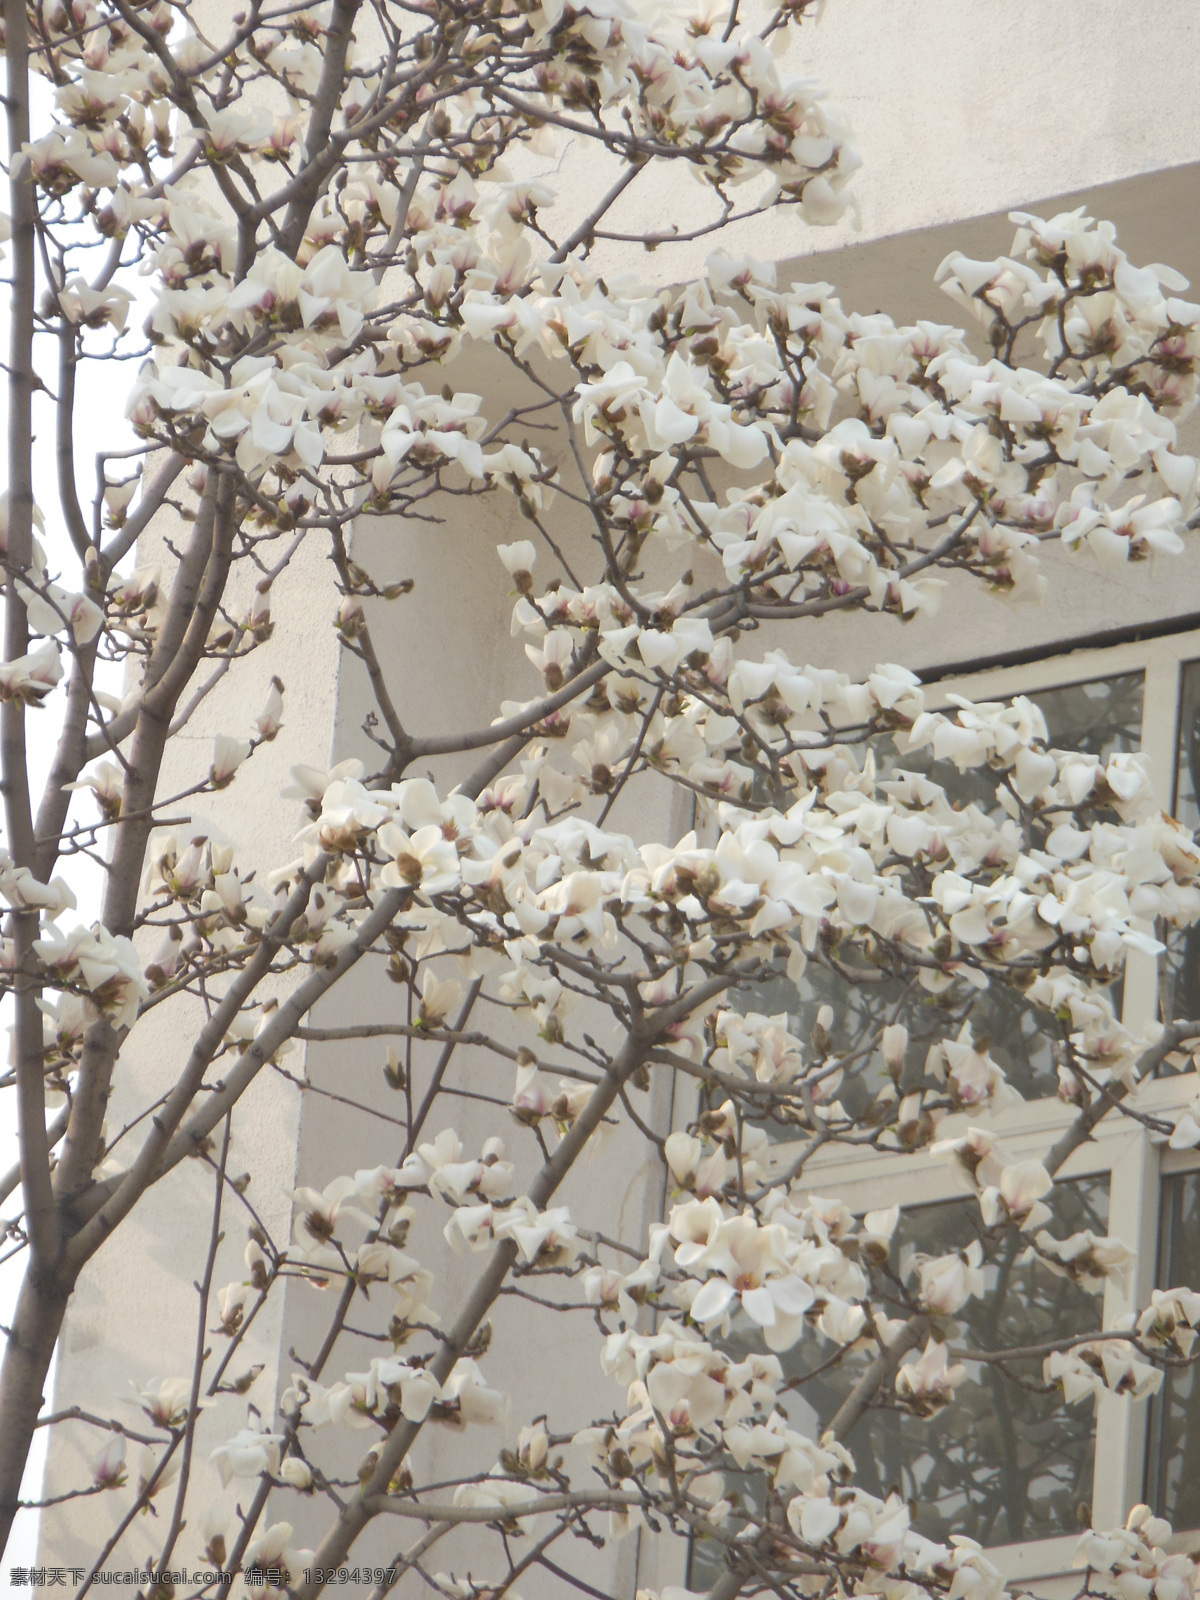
<point>1101,716</point>
<point>1006,1463</point>
<point>1172,1472</point>
<point>1173,1442</point>
<point>1018,1472</point>
<point>1181,966</point>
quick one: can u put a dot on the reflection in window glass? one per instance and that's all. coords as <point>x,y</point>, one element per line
<point>1181,965</point>
<point>1173,1452</point>
<point>1008,1461</point>
<point>1187,772</point>
<point>1101,718</point>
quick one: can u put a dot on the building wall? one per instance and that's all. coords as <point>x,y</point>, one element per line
<point>963,110</point>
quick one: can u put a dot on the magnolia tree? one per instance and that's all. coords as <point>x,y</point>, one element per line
<point>321,214</point>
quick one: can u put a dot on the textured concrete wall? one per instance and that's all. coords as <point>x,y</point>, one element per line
<point>960,108</point>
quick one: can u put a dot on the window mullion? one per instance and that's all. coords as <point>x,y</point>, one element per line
<point>1121,1423</point>
<point>1160,719</point>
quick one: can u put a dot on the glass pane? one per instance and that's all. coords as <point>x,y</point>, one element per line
<point>1181,965</point>
<point>1173,1454</point>
<point>1008,1460</point>
<point>1187,772</point>
<point>1102,718</point>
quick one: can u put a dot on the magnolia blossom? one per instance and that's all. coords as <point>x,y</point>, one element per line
<point>476,1402</point>
<point>546,1237</point>
<point>166,1402</point>
<point>1087,1258</point>
<point>107,970</point>
<point>927,1383</point>
<point>618,1292</point>
<point>1018,1195</point>
<point>228,755</point>
<point>270,718</point>
<point>155,1472</point>
<point>750,1267</point>
<point>692,1169</point>
<point>248,1454</point>
<point>454,1178</point>
<point>1170,1319</point>
<point>108,1468</point>
<point>972,1076</point>
<point>424,860</point>
<point>296,1474</point>
<point>29,678</point>
<point>1089,1369</point>
<point>948,1282</point>
<point>628,1012</point>
<point>106,782</point>
<point>493,1492</point>
<point>273,1549</point>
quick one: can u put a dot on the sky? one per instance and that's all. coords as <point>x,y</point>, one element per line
<point>100,425</point>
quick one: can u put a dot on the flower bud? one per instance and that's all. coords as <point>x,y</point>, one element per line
<point>894,1044</point>
<point>533,1445</point>
<point>108,1469</point>
<point>297,1473</point>
<point>351,620</point>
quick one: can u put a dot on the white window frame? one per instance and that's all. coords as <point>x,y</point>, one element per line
<point>1131,1156</point>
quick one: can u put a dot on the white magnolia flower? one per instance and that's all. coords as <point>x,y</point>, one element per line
<point>926,1383</point>
<point>425,859</point>
<point>476,1402</point>
<point>108,1468</point>
<point>750,1267</point>
<point>1019,1196</point>
<point>273,1549</point>
<point>295,1473</point>
<point>248,1454</point>
<point>166,1401</point>
<point>948,1282</point>
<point>228,755</point>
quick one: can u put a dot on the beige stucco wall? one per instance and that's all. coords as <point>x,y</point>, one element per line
<point>134,1317</point>
<point>960,108</point>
